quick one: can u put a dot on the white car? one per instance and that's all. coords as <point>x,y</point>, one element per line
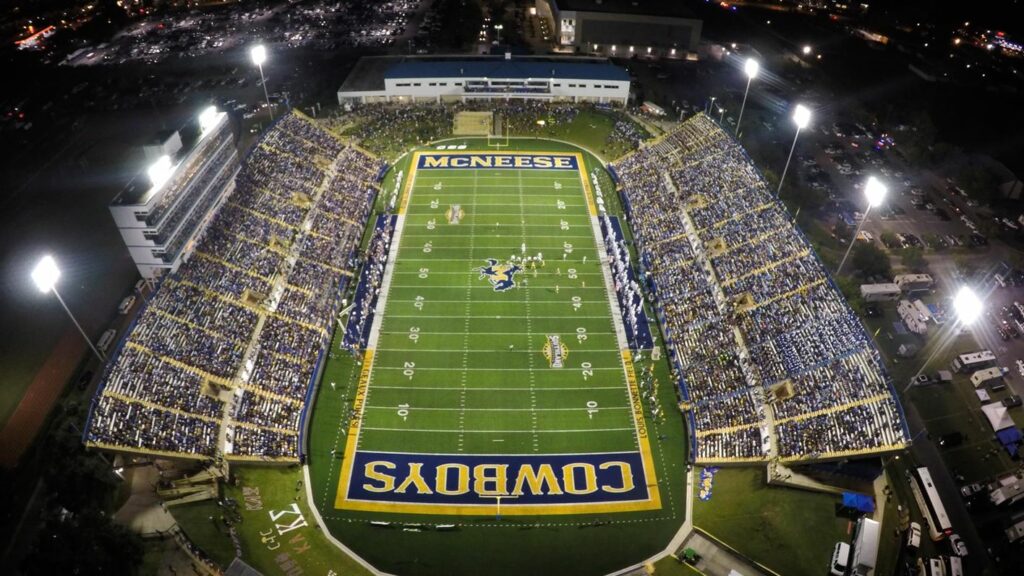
<point>958,546</point>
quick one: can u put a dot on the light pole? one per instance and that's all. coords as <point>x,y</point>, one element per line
<point>875,192</point>
<point>801,117</point>
<point>721,116</point>
<point>968,308</point>
<point>750,68</point>
<point>259,56</point>
<point>711,107</point>
<point>45,275</point>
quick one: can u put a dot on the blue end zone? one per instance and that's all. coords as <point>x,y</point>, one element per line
<point>448,161</point>
<point>466,479</point>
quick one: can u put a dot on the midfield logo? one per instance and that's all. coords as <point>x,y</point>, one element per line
<point>501,276</point>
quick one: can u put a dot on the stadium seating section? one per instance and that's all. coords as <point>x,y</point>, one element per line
<point>771,361</point>
<point>220,361</point>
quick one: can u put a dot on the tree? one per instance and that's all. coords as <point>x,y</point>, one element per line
<point>86,543</point>
<point>870,260</point>
<point>913,258</point>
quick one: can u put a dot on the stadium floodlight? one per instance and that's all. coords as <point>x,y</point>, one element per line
<point>160,171</point>
<point>259,56</point>
<point>208,118</point>
<point>967,305</point>
<point>45,276</point>
<point>801,117</point>
<point>721,115</point>
<point>968,308</point>
<point>750,68</point>
<point>875,193</point>
<point>807,50</point>
<point>712,105</point>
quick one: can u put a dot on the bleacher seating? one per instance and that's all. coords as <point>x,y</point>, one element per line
<point>771,361</point>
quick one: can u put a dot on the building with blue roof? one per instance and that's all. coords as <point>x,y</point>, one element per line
<point>462,78</point>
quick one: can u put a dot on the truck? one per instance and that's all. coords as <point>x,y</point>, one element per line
<point>865,547</point>
<point>886,292</point>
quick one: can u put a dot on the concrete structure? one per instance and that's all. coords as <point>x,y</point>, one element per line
<point>164,208</point>
<point>887,292</point>
<point>462,78</point>
<point>624,28</point>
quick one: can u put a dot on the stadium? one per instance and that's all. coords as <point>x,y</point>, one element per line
<point>498,347</point>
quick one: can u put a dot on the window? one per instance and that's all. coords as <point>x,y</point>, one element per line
<point>557,85</point>
<point>458,83</point>
<point>431,84</point>
<point>416,84</point>
<point>402,84</point>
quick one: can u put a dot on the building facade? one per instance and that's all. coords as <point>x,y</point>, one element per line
<point>462,79</point>
<point>624,28</point>
<point>163,209</point>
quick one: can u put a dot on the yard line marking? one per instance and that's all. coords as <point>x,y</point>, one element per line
<point>447,431</point>
<point>505,333</point>
<point>442,409</point>
<point>498,388</point>
<point>478,350</point>
<point>492,316</point>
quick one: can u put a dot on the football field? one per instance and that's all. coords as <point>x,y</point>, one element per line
<point>497,367</point>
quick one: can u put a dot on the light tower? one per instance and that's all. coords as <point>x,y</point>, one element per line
<point>801,117</point>
<point>875,193</point>
<point>259,56</point>
<point>750,68</point>
<point>45,275</point>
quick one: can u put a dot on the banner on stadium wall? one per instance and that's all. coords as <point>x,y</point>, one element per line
<point>445,161</point>
<point>707,482</point>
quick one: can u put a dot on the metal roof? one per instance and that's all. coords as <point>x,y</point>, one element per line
<point>501,68</point>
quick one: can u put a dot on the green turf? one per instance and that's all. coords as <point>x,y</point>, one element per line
<point>790,531</point>
<point>202,522</point>
<point>462,358</point>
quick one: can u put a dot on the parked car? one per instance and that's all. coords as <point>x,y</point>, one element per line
<point>970,489</point>
<point>957,543</point>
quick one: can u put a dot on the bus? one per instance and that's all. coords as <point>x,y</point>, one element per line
<point>930,504</point>
<point>974,361</point>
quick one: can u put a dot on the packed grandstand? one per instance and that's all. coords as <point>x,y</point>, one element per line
<point>770,360</point>
<point>222,357</point>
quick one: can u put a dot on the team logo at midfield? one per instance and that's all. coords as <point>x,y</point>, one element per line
<point>501,276</point>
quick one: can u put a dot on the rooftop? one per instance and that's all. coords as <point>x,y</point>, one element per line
<point>515,68</point>
<point>671,9</point>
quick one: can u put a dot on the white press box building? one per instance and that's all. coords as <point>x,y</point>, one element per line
<point>164,208</point>
<point>462,78</point>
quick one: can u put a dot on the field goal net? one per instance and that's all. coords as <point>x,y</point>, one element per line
<point>473,124</point>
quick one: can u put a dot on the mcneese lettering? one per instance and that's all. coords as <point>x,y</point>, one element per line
<point>488,480</point>
<point>435,161</point>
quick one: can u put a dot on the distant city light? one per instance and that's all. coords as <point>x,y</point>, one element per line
<point>45,274</point>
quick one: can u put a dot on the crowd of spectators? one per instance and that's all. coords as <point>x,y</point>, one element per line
<point>391,129</point>
<point>759,336</point>
<point>252,307</point>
